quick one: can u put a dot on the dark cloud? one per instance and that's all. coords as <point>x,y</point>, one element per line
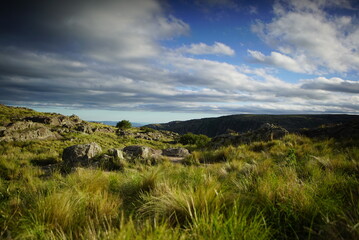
<point>332,85</point>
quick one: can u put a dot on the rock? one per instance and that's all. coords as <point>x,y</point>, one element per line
<point>53,121</point>
<point>136,151</point>
<point>80,155</point>
<point>116,153</point>
<point>66,122</point>
<point>175,152</point>
<point>85,128</point>
<point>75,118</point>
<point>19,126</point>
<point>268,132</point>
<point>103,129</point>
<point>24,131</point>
<point>2,130</point>
<point>124,133</point>
<point>60,120</point>
<point>143,136</point>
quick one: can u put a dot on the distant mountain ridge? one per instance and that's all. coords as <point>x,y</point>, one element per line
<point>246,122</point>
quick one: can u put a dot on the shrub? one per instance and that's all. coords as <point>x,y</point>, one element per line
<point>124,124</point>
<point>147,129</point>
<point>194,139</point>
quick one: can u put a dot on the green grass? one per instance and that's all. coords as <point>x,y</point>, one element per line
<point>294,188</point>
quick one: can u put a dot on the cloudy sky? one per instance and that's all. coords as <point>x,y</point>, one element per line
<point>156,61</point>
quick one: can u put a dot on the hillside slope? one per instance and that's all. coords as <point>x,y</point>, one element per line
<point>243,123</point>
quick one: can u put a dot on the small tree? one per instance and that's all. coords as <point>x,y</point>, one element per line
<point>124,124</point>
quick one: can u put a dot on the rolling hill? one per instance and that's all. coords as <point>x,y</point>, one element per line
<point>243,123</point>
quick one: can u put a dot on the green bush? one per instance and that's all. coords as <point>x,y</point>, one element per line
<point>193,139</point>
<point>147,129</point>
<point>124,124</point>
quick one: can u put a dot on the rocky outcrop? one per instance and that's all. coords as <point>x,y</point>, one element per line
<point>53,121</point>
<point>25,131</point>
<point>151,136</point>
<point>84,128</point>
<point>57,120</point>
<point>64,124</point>
<point>266,132</point>
<point>137,151</point>
<point>175,152</point>
<point>80,155</point>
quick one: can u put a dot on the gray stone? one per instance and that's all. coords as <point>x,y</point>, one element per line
<point>175,152</point>
<point>116,153</point>
<point>80,155</point>
<point>53,121</point>
<point>136,151</point>
<point>85,128</point>
<point>103,129</point>
<point>75,118</point>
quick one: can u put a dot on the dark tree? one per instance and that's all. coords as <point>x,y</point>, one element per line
<point>123,124</point>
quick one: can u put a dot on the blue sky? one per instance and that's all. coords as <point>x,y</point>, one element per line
<point>158,61</point>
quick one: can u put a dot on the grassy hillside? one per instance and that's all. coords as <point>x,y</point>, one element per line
<point>293,188</point>
<point>245,122</point>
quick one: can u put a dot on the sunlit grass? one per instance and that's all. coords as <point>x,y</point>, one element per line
<point>295,188</point>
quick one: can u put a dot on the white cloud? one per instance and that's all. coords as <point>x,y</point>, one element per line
<point>279,60</point>
<point>201,48</point>
<point>307,34</point>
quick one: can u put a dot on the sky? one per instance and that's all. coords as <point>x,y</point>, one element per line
<point>156,61</point>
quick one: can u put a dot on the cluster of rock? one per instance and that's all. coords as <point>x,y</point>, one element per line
<point>91,155</point>
<point>151,136</point>
<point>46,127</point>
<point>266,132</point>
<point>24,131</point>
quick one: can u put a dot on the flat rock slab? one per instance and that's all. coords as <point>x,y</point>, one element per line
<point>141,151</point>
<point>175,152</point>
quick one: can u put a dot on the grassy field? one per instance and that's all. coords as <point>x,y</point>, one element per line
<point>294,188</point>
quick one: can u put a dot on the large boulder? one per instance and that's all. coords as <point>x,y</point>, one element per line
<point>175,152</point>
<point>80,155</point>
<point>136,151</point>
